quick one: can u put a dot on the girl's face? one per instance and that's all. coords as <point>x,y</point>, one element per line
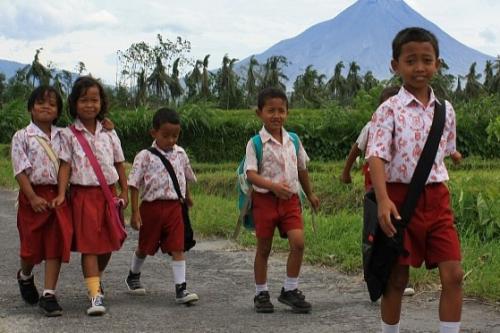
<point>88,104</point>
<point>273,114</point>
<point>44,110</point>
<point>166,136</point>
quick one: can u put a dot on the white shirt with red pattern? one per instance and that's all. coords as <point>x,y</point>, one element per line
<point>150,176</point>
<point>280,162</point>
<point>28,154</point>
<point>362,139</point>
<point>398,132</point>
<point>106,147</point>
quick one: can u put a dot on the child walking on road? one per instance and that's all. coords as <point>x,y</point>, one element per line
<point>398,132</point>
<point>159,217</point>
<point>44,231</point>
<point>98,230</point>
<point>275,201</point>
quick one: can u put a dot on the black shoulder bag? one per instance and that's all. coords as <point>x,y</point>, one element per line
<point>189,241</point>
<point>380,252</point>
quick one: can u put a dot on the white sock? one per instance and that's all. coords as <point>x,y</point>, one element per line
<point>135,266</point>
<point>260,287</point>
<point>449,327</point>
<point>291,283</point>
<point>48,291</point>
<point>386,328</point>
<point>25,277</point>
<point>179,270</point>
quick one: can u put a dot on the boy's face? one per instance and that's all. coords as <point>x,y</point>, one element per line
<point>166,136</point>
<point>416,64</point>
<point>45,109</point>
<point>273,114</point>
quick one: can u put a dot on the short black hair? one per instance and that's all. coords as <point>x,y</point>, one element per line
<point>80,87</point>
<point>40,93</point>
<point>413,34</point>
<point>268,93</point>
<point>388,92</point>
<point>165,115</point>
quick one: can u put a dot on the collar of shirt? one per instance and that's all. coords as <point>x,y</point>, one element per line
<point>79,126</point>
<point>175,148</point>
<point>33,130</point>
<point>266,136</point>
<point>408,99</point>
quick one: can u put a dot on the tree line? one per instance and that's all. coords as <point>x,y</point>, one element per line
<point>150,74</point>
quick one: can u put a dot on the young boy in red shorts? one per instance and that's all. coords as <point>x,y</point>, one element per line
<point>275,202</point>
<point>398,132</point>
<point>159,217</point>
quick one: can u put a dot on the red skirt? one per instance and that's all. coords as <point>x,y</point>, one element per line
<point>44,235</point>
<point>94,226</point>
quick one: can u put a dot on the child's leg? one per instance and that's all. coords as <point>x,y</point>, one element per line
<point>102,261</point>
<point>26,268</point>
<point>390,306</point>
<point>52,270</point>
<point>264,246</point>
<point>137,261</point>
<point>179,271</point>
<point>90,268</point>
<point>296,242</point>
<point>450,303</point>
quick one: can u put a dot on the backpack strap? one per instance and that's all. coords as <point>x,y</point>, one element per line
<point>50,152</point>
<point>257,145</point>
<point>296,141</point>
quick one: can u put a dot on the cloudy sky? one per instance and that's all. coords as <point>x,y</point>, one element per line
<point>92,31</point>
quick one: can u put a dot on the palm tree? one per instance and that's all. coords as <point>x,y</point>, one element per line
<point>251,83</point>
<point>442,82</point>
<point>193,80</point>
<point>353,80</point>
<point>142,87</point>
<point>227,84</point>
<point>308,88</point>
<point>369,81</point>
<point>472,87</point>
<point>205,85</point>
<point>495,85</point>
<point>336,84</point>
<point>158,79</point>
<point>273,72</point>
<point>174,84</point>
<point>488,76</point>
<point>38,72</point>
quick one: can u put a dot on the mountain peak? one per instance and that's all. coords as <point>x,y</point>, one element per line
<point>363,33</point>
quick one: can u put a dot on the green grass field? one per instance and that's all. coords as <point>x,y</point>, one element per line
<point>475,195</point>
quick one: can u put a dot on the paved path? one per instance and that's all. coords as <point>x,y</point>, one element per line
<point>222,276</point>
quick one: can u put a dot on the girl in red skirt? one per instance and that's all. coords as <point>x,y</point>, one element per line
<point>45,232</point>
<point>96,232</point>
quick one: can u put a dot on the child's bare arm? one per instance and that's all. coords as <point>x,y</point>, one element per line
<point>135,218</point>
<point>306,186</point>
<point>456,157</point>
<point>386,207</point>
<point>351,158</point>
<point>62,182</point>
<point>38,204</point>
<point>122,180</point>
<point>189,199</point>
<point>281,190</point>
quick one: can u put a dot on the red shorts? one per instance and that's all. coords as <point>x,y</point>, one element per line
<point>92,221</point>
<point>431,235</point>
<point>44,235</point>
<point>162,227</point>
<point>270,212</point>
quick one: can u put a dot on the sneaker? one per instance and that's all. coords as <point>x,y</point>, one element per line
<point>183,296</point>
<point>295,299</point>
<point>409,291</point>
<point>134,284</point>
<point>262,303</point>
<point>49,306</point>
<point>101,289</point>
<point>28,289</point>
<point>96,306</point>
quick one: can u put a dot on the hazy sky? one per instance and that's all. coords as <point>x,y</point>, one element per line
<point>92,31</point>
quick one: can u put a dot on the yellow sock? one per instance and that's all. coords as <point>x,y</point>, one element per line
<point>93,283</point>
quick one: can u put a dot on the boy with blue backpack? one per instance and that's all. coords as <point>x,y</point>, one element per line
<point>277,171</point>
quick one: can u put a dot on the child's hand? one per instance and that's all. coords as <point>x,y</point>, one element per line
<point>135,221</point>
<point>57,201</point>
<point>39,204</point>
<point>346,178</point>
<point>124,197</point>
<point>314,201</point>
<point>456,157</point>
<point>386,208</point>
<point>282,190</point>
<point>108,124</point>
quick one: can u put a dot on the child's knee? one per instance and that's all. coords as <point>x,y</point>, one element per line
<point>399,279</point>
<point>452,277</point>
<point>297,246</point>
<point>263,249</point>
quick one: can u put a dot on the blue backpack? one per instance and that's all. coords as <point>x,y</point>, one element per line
<point>244,186</point>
